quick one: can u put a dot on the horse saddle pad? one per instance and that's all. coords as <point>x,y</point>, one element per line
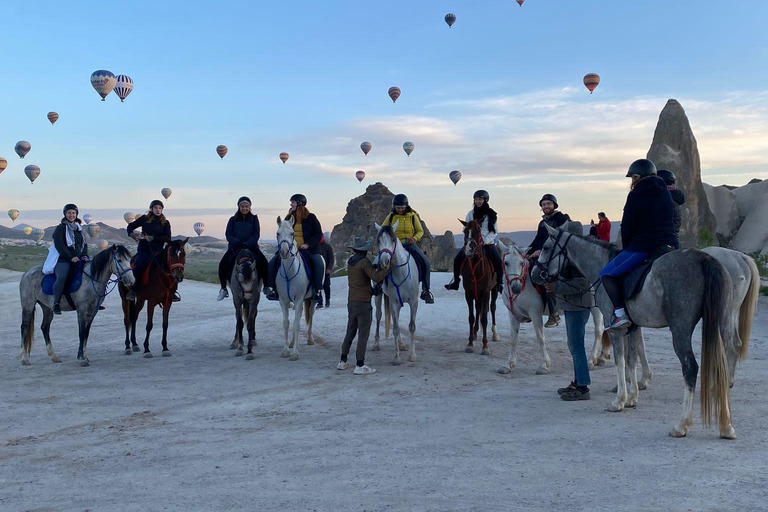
<point>634,280</point>
<point>145,275</point>
<point>307,260</point>
<point>74,282</point>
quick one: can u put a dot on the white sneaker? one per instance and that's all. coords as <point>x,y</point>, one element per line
<point>223,294</point>
<point>364,370</point>
<point>344,365</point>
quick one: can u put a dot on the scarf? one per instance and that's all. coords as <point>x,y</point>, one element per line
<point>70,232</point>
<point>487,212</point>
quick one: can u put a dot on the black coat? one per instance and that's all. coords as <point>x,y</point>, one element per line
<point>243,232</point>
<point>160,234</point>
<point>327,251</point>
<point>555,220</point>
<point>66,253</point>
<point>312,233</point>
<point>679,199</point>
<point>649,217</point>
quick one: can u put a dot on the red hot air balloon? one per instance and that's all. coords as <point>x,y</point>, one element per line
<point>221,150</point>
<point>520,2</point>
<point>53,117</point>
<point>394,93</point>
<point>3,164</point>
<point>360,175</point>
<point>455,176</point>
<point>284,157</point>
<point>366,147</point>
<point>591,81</point>
<point>450,19</point>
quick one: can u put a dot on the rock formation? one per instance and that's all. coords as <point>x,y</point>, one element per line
<point>674,148</point>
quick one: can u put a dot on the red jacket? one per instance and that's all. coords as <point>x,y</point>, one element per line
<point>604,230</point>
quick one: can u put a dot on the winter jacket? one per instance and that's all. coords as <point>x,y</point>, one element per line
<point>160,234</point>
<point>573,291</point>
<point>327,251</point>
<point>360,272</point>
<point>649,217</point>
<point>604,230</point>
<point>243,232</point>
<point>66,253</point>
<point>408,225</point>
<point>678,197</point>
<point>555,220</point>
<point>489,237</point>
<point>312,233</point>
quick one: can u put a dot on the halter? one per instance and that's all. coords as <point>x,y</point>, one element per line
<point>240,262</point>
<point>107,290</point>
<point>511,278</point>
<point>395,267</point>
<point>481,260</point>
<point>293,254</point>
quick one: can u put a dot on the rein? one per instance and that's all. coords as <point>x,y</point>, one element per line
<point>107,290</point>
<point>395,267</point>
<point>481,261</point>
<point>294,255</point>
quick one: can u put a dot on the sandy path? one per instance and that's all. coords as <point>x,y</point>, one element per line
<point>204,430</point>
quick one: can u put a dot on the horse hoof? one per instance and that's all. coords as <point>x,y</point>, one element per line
<point>376,348</point>
<point>396,362</point>
<point>600,362</point>
<point>469,350</point>
<point>232,346</point>
<point>136,348</point>
<point>542,370</point>
<point>310,342</point>
<point>496,338</point>
<point>728,433</point>
<point>250,357</point>
<point>295,357</point>
<point>630,405</point>
<point>128,352</point>
<point>412,359</point>
<point>403,347</point>
<point>238,353</point>
<point>55,359</point>
<point>485,352</point>
<point>148,355</point>
<point>615,408</point>
<point>642,386</point>
<point>166,353</point>
<point>504,370</point>
<point>285,353</point>
<point>25,362</point>
<point>615,389</point>
<point>676,433</point>
<point>85,362</point>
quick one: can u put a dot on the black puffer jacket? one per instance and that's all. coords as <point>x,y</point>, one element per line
<point>555,220</point>
<point>649,217</point>
<point>678,197</point>
<point>66,253</point>
<point>243,232</point>
<point>161,234</point>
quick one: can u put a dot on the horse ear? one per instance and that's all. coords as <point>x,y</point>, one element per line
<point>376,225</point>
<point>394,226</point>
<point>114,247</point>
<point>519,251</point>
<point>463,223</point>
<point>501,246</point>
<point>279,221</point>
<point>184,242</point>
<point>292,221</point>
<point>552,231</point>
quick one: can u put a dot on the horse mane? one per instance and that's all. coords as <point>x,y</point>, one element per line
<point>100,262</point>
<point>389,231</point>
<point>612,249</point>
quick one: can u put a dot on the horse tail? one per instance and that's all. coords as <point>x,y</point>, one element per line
<point>714,366</point>
<point>387,314</point>
<point>307,304</point>
<point>29,337</point>
<point>747,311</point>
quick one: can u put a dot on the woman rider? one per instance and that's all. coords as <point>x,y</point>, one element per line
<point>410,231</point>
<point>481,211</point>
<point>70,244</point>
<point>155,233</point>
<point>648,223</point>
<point>308,233</point>
<point>243,232</point>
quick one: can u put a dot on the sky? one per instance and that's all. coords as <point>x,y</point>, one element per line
<point>499,96</point>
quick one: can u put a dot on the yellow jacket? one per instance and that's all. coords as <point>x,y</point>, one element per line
<point>409,225</point>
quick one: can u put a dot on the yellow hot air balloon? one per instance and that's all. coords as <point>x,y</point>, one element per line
<point>13,213</point>
<point>28,230</point>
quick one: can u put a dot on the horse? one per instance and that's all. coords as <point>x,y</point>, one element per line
<point>682,287</point>
<point>162,283</point>
<point>87,299</point>
<point>294,287</point>
<point>479,280</point>
<point>246,291</point>
<point>525,304</point>
<point>400,287</point>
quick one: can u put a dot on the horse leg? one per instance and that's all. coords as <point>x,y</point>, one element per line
<point>681,340</point>
<point>414,306</point>
<point>398,336</point>
<point>237,343</point>
<point>46,328</point>
<point>485,306</point>
<point>631,354</point>
<point>286,324</point>
<point>298,307</point>
<point>135,310</point>
<point>621,375</point>
<point>127,324</point>
<point>640,349</point>
<point>376,347</point>
<point>311,308</point>
<point>538,327</point>
<point>395,312</point>
<point>597,323</point>
<point>82,328</point>
<point>150,313</point>
<point>495,333</point>
<point>166,316</point>
<point>471,321</point>
<point>252,312</point>
<point>514,327</point>
<point>27,332</point>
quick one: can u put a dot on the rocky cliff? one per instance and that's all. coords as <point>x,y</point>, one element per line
<point>741,213</point>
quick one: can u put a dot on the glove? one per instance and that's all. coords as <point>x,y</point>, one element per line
<point>150,238</point>
<point>85,259</point>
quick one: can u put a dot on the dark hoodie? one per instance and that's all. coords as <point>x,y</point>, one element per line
<point>678,197</point>
<point>649,217</point>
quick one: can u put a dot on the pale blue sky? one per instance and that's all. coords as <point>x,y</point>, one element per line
<point>498,96</point>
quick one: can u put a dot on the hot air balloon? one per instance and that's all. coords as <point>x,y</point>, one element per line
<point>28,230</point>
<point>53,117</point>
<point>221,150</point>
<point>360,175</point>
<point>591,80</point>
<point>103,244</point>
<point>366,147</point>
<point>408,148</point>
<point>22,148</point>
<point>166,192</point>
<point>93,230</point>
<point>450,19</point>
<point>87,218</point>
<point>284,157</point>
<point>13,213</point>
<point>123,86</point>
<point>199,227</point>
<point>32,172</point>
<point>129,217</point>
<point>103,81</point>
<point>3,164</point>
<point>38,234</point>
<point>520,2</point>
<point>394,93</point>
<point>455,176</point>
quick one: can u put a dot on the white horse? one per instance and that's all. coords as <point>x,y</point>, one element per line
<point>294,287</point>
<point>400,287</point>
<point>525,305</point>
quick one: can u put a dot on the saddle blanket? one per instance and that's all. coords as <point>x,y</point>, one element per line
<point>74,282</point>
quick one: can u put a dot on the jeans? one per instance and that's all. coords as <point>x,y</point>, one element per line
<point>358,323</point>
<point>422,261</point>
<point>575,321</point>
<point>61,270</point>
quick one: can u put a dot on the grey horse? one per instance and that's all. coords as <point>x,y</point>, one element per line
<point>87,299</point>
<point>246,290</point>
<point>683,287</point>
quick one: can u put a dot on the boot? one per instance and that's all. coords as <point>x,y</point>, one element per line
<point>271,294</point>
<point>56,309</point>
<point>427,297</point>
<point>454,284</point>
<point>553,320</point>
<point>377,289</point>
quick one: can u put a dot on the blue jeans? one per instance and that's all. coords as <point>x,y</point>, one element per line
<point>623,263</point>
<point>574,328</point>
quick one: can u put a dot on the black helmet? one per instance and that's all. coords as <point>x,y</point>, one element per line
<point>400,200</point>
<point>70,206</point>
<point>548,197</point>
<point>156,202</point>
<point>482,193</point>
<point>667,176</point>
<point>642,168</point>
<point>300,199</point>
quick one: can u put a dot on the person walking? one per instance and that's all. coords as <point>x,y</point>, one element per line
<point>326,250</point>
<point>593,229</point>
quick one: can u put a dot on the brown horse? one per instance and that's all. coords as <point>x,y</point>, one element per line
<point>161,286</point>
<point>479,281</point>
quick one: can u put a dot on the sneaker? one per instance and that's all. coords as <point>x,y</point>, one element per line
<point>553,321</point>
<point>364,370</point>
<point>619,322</point>
<point>223,294</point>
<point>580,393</point>
<point>427,297</point>
<point>343,365</point>
<point>453,285</point>
<point>271,294</point>
<point>570,387</point>
<point>56,309</point>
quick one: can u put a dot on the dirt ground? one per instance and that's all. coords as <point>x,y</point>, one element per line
<point>204,430</point>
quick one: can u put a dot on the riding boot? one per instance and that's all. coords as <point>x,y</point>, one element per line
<point>457,261</point>
<point>56,309</point>
<point>554,318</point>
<point>427,296</point>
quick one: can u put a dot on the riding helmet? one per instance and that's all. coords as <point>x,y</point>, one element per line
<point>642,168</point>
<point>400,200</point>
<point>300,199</point>
<point>244,198</point>
<point>482,193</point>
<point>548,197</point>
<point>667,176</point>
<point>156,202</point>
<point>70,206</point>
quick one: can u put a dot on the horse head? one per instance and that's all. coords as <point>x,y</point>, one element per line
<point>246,270</point>
<point>514,266</point>
<point>286,241</point>
<point>118,259</point>
<point>473,237</point>
<point>177,258</point>
<point>553,255</point>
<point>387,242</point>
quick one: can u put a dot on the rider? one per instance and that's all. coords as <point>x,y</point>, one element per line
<point>242,233</point>
<point>552,218</point>
<point>155,233</point>
<point>308,233</point>
<point>647,224</point>
<point>70,244</point>
<point>677,196</point>
<point>481,210</point>
<point>409,231</point>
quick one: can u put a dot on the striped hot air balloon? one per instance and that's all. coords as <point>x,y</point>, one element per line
<point>360,175</point>
<point>394,93</point>
<point>221,150</point>
<point>166,192</point>
<point>13,213</point>
<point>408,147</point>
<point>22,148</point>
<point>103,81</point>
<point>93,230</point>
<point>366,147</point>
<point>455,176</point>
<point>199,227</point>
<point>87,218</point>
<point>450,19</point>
<point>38,234</point>
<point>3,164</point>
<point>591,81</point>
<point>53,117</point>
<point>32,172</point>
<point>520,2</point>
<point>123,86</point>
<point>129,217</point>
<point>284,157</point>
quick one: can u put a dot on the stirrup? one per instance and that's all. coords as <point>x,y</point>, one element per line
<point>453,285</point>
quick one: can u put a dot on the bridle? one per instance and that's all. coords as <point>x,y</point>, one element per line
<point>479,255</point>
<point>240,262</point>
<point>395,267</point>
<point>293,252</point>
<point>118,270</point>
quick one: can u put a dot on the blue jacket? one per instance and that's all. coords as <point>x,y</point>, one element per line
<point>649,217</point>
<point>160,234</point>
<point>243,232</point>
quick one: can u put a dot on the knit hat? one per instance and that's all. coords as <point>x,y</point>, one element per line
<point>244,198</point>
<point>156,202</point>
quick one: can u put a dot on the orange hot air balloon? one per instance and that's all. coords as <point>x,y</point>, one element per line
<point>221,150</point>
<point>591,80</point>
<point>365,146</point>
<point>3,164</point>
<point>394,93</point>
<point>520,2</point>
<point>360,175</point>
<point>284,157</point>
<point>455,176</point>
<point>53,117</point>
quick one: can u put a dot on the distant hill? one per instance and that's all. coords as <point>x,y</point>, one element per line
<point>523,238</point>
<point>106,232</point>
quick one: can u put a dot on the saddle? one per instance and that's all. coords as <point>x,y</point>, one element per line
<point>145,275</point>
<point>74,281</point>
<point>634,280</point>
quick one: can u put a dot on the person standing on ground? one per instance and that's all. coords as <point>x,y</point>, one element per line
<point>326,250</point>
<point>678,197</point>
<point>592,228</point>
<point>360,272</point>
<point>603,227</point>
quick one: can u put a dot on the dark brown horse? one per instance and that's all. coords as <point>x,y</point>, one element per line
<point>479,281</point>
<point>162,282</point>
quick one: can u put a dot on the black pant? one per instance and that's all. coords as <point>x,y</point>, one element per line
<point>228,261</point>
<point>358,323</point>
<point>614,290</point>
<point>316,260</point>
<point>61,270</point>
<point>493,255</point>
<point>327,288</point>
<point>422,262</point>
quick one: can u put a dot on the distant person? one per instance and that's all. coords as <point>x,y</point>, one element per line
<point>603,227</point>
<point>360,272</point>
<point>327,252</point>
<point>155,233</point>
<point>592,228</point>
<point>243,232</point>
<point>677,196</point>
<point>70,243</point>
